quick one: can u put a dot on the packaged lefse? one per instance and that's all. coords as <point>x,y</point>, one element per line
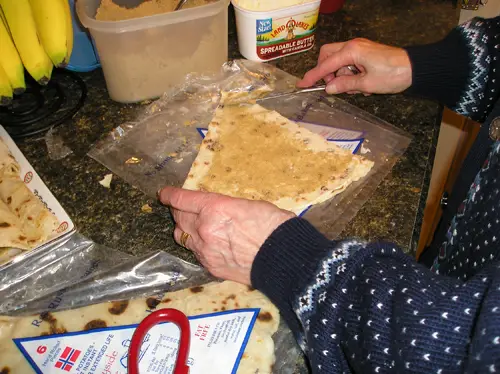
<point>226,127</point>
<point>30,216</point>
<point>84,323</point>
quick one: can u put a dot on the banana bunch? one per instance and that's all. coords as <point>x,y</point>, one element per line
<point>35,35</point>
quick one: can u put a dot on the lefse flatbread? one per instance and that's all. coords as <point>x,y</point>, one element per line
<point>254,153</point>
<point>25,222</point>
<point>257,358</point>
<point>11,229</point>
<point>6,159</point>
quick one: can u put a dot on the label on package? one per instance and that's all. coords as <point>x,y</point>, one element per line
<point>350,140</point>
<point>332,133</point>
<point>278,37</point>
<point>218,341</point>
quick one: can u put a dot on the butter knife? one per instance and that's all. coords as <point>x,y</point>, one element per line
<point>354,70</point>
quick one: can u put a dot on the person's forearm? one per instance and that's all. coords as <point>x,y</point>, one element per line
<point>363,306</point>
<point>460,71</point>
<point>286,263</point>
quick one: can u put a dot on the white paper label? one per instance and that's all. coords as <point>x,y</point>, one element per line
<point>332,133</point>
<point>350,140</point>
<point>350,145</point>
<point>218,341</point>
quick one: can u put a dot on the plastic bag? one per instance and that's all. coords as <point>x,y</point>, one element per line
<point>75,272</point>
<point>160,146</point>
<point>56,148</point>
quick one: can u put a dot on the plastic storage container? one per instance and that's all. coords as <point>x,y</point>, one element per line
<point>141,58</point>
<point>268,35</point>
<point>84,57</point>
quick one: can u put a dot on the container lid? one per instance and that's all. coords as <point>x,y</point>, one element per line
<point>242,9</point>
<point>86,10</point>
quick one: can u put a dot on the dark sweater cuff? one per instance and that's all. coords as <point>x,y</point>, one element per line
<point>440,71</point>
<point>288,260</point>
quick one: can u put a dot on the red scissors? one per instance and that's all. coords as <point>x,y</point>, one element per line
<point>160,316</point>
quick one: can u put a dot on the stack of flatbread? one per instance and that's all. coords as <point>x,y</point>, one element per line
<point>257,358</point>
<point>25,222</point>
<point>254,153</point>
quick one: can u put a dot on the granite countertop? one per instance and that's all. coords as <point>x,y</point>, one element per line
<point>114,218</point>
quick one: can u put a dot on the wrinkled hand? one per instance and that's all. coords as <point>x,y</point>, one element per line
<point>225,233</point>
<point>384,69</point>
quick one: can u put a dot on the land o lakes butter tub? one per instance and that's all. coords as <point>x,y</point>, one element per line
<point>265,35</point>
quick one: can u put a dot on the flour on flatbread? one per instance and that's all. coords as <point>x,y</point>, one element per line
<point>254,153</point>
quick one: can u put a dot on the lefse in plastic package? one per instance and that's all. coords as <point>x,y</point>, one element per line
<point>75,272</point>
<point>343,138</point>
<point>166,137</point>
<point>218,341</point>
<point>37,187</point>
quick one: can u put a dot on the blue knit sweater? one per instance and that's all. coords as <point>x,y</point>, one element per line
<point>358,307</point>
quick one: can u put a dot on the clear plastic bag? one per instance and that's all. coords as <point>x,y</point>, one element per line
<point>74,272</point>
<point>160,146</point>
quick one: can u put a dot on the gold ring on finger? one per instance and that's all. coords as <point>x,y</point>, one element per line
<point>184,237</point>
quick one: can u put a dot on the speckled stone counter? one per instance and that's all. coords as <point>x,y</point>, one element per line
<point>114,217</point>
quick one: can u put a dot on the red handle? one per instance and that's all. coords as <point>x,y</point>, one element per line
<point>162,315</point>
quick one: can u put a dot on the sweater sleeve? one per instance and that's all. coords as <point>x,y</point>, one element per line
<point>369,308</point>
<point>463,70</point>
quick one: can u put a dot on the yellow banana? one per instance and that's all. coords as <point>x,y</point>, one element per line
<point>50,19</point>
<point>69,31</point>
<point>10,60</point>
<point>5,89</point>
<point>2,16</point>
<point>22,26</point>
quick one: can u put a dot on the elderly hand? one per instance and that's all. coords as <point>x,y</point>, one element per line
<point>384,69</point>
<point>224,233</point>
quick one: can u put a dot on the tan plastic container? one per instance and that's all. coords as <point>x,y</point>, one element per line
<point>141,58</point>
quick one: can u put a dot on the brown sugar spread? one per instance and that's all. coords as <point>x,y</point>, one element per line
<point>260,160</point>
<point>109,11</point>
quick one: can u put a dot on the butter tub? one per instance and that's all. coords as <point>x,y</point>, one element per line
<point>272,34</point>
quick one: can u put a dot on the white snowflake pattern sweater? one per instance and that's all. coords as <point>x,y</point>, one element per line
<point>358,307</point>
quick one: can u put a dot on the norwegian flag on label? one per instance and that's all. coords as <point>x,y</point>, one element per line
<point>67,359</point>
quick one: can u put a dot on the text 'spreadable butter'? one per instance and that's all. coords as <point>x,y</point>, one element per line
<point>268,30</point>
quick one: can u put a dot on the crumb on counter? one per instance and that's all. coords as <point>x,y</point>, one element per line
<point>146,208</point>
<point>106,181</point>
